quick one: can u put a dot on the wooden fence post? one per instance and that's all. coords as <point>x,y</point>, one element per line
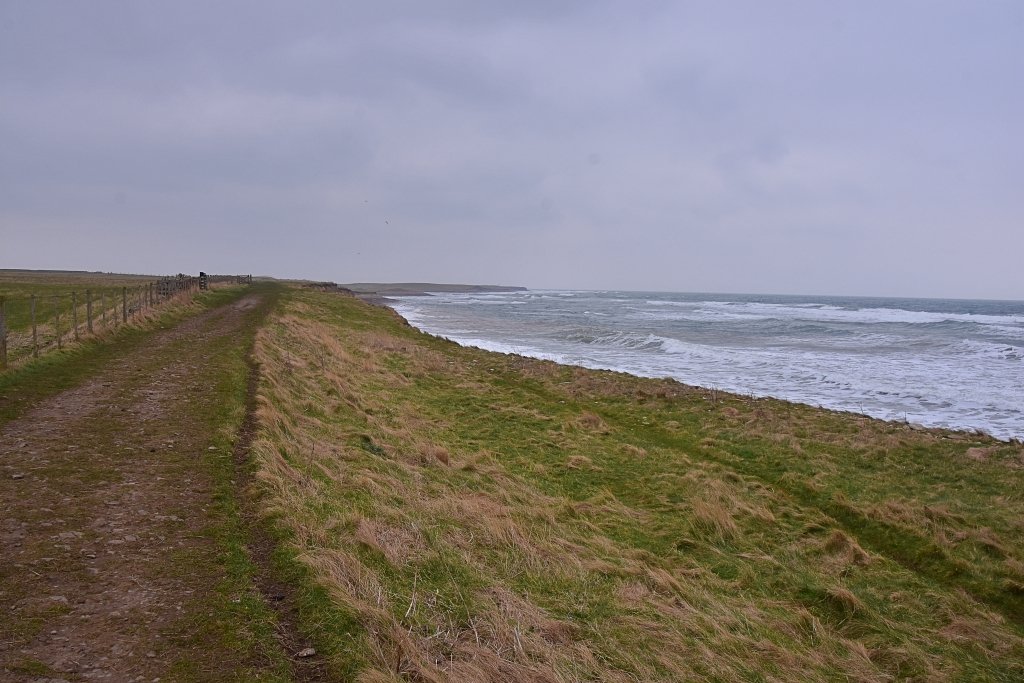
<point>103,307</point>
<point>35,338</point>
<point>88,310</point>
<point>124,304</point>
<point>56,321</point>
<point>3,333</point>
<point>74,313</point>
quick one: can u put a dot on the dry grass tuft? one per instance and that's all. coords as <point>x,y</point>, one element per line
<point>1015,567</point>
<point>989,540</point>
<point>839,544</point>
<point>633,593</point>
<point>758,512</point>
<point>397,543</point>
<point>711,516</point>
<point>975,631</point>
<point>592,422</point>
<point>844,599</point>
<point>634,451</point>
<point>940,513</point>
<point>718,497</point>
<point>431,452</point>
<point>577,462</point>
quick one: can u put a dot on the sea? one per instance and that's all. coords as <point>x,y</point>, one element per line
<point>933,362</point>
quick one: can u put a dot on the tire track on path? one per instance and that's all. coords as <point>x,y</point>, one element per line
<point>107,561</point>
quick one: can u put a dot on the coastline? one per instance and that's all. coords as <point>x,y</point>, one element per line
<point>516,512</point>
<point>382,293</point>
<point>886,399</point>
<point>425,288</point>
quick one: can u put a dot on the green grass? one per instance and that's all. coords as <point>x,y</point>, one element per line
<point>31,667</point>
<point>61,300</point>
<point>235,618</point>
<point>23,386</point>
<point>482,515</point>
<point>18,287</point>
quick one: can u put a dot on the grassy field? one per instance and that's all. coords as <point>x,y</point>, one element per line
<point>454,514</point>
<point>61,301</point>
<point>17,286</point>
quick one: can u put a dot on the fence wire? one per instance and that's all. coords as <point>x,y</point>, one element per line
<point>33,324</point>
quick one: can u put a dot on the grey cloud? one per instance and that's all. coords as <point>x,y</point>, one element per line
<point>748,146</point>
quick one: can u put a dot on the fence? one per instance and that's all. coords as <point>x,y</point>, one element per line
<point>36,322</point>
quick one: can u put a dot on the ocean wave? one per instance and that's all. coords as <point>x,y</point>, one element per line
<point>988,349</point>
<point>631,341</point>
<point>513,349</point>
<point>830,313</point>
<point>955,369</point>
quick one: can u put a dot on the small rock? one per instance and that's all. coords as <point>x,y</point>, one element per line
<point>308,652</point>
<point>212,448</point>
<point>59,598</point>
<point>17,475</point>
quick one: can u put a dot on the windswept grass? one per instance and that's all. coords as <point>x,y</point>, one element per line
<point>468,516</point>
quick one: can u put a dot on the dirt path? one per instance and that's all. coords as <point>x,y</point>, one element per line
<point>108,558</point>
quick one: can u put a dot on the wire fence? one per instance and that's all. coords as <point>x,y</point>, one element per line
<point>38,322</point>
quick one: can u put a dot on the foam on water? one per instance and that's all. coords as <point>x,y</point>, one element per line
<point>957,364</point>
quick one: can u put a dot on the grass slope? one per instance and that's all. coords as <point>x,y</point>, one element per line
<point>456,514</point>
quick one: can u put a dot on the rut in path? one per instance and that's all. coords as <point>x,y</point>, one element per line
<point>107,565</point>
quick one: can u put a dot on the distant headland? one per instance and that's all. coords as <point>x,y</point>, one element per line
<point>424,288</point>
<point>379,292</point>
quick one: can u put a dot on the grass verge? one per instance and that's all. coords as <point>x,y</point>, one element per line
<point>234,618</point>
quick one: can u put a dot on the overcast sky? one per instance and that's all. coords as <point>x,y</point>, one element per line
<point>839,147</point>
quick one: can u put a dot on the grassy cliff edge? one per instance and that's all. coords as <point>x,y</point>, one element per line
<point>462,515</point>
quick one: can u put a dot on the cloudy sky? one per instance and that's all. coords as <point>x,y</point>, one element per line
<point>780,147</point>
